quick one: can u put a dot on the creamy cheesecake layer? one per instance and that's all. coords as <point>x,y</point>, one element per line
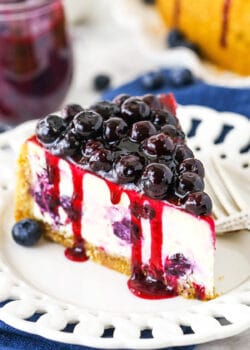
<point>183,234</point>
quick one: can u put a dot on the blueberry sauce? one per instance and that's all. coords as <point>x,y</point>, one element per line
<point>225,22</point>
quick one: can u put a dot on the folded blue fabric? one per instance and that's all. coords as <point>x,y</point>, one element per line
<point>199,93</point>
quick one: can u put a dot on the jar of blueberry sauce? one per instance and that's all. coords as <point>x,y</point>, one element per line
<point>36,62</point>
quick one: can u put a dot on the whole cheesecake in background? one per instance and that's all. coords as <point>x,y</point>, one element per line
<point>219,27</point>
<point>117,183</point>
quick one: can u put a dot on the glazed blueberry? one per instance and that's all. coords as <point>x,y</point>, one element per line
<point>144,211</point>
<point>198,203</point>
<point>26,232</point>
<point>70,110</point>
<point>182,152</point>
<point>101,82</point>
<point>161,118</point>
<point>90,147</point>
<point>49,128</point>
<point>141,130</point>
<point>177,265</point>
<point>158,145</point>
<point>156,180</point>
<point>119,99</point>
<point>152,101</point>
<point>128,168</point>
<point>134,109</point>
<point>101,160</point>
<point>152,80</point>
<point>180,76</point>
<point>172,131</point>
<point>106,109</point>
<point>87,123</point>
<point>193,165</point>
<point>175,38</point>
<point>189,182</point>
<point>114,129</point>
<point>68,145</point>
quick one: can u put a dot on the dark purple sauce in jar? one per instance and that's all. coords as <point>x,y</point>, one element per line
<point>35,59</point>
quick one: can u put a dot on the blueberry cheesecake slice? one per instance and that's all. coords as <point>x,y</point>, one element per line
<point>117,183</point>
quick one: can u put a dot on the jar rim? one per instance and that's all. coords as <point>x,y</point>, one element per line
<point>23,6</point>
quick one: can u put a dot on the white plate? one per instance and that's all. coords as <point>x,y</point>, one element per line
<point>40,280</point>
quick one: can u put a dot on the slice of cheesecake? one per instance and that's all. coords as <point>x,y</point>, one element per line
<point>117,183</point>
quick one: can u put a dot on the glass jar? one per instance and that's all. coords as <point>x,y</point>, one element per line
<point>35,59</point>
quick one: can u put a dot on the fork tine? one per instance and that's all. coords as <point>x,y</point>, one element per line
<point>230,186</point>
<point>217,210</point>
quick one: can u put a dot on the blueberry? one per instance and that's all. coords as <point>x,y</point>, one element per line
<point>141,130</point>
<point>198,203</point>
<point>26,232</point>
<point>128,168</point>
<point>90,147</point>
<point>134,109</point>
<point>68,145</point>
<point>4,127</point>
<point>179,77</point>
<point>106,109</point>
<point>119,99</point>
<point>182,152</point>
<point>70,110</point>
<point>177,265</point>
<point>114,129</point>
<point>158,145</point>
<point>175,37</point>
<point>152,101</point>
<point>189,182</point>
<point>161,118</point>
<point>173,132</point>
<point>156,180</point>
<point>193,165</point>
<point>87,123</point>
<point>122,229</point>
<point>49,128</point>
<point>101,160</point>
<point>101,82</point>
<point>152,80</point>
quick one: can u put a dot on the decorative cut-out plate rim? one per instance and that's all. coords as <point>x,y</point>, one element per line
<point>90,324</point>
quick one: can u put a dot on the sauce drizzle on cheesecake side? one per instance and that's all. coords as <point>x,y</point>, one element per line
<point>225,22</point>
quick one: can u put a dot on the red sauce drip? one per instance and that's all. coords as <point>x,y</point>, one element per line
<point>225,22</point>
<point>54,180</point>
<point>115,192</point>
<point>77,252</point>
<point>199,291</point>
<point>176,13</point>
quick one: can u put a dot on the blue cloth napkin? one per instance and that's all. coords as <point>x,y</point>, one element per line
<point>199,93</point>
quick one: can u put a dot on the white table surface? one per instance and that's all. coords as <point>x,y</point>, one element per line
<point>101,45</point>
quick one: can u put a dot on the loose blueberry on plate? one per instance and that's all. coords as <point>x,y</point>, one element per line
<point>49,128</point>
<point>156,180</point>
<point>179,77</point>
<point>198,203</point>
<point>152,80</point>
<point>174,38</point>
<point>26,232</point>
<point>101,82</point>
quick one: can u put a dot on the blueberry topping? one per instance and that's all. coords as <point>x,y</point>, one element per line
<point>180,76</point>
<point>49,128</point>
<point>26,232</point>
<point>70,110</point>
<point>144,211</point>
<point>134,109</point>
<point>152,101</point>
<point>175,38</point>
<point>193,165</point>
<point>189,182</point>
<point>182,152</point>
<point>90,147</point>
<point>101,82</point>
<point>198,203</point>
<point>67,145</point>
<point>114,129</point>
<point>156,180</point>
<point>101,160</point>
<point>177,265</point>
<point>87,123</point>
<point>141,130</point>
<point>173,132</point>
<point>158,145</point>
<point>128,168</point>
<point>152,80</point>
<point>161,118</point>
<point>119,99</point>
<point>106,109</point>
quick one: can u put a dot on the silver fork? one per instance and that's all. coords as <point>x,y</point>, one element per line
<point>230,210</point>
